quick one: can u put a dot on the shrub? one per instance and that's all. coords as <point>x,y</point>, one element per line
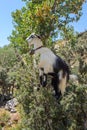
<point>4,117</point>
<point>43,111</point>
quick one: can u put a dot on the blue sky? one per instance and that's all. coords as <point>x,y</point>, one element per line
<point>6,26</point>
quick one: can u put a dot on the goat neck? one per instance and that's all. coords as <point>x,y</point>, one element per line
<point>37,43</point>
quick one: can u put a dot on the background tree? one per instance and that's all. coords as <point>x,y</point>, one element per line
<point>8,60</point>
<point>7,57</point>
<point>45,17</point>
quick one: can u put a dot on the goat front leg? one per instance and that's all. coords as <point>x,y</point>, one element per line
<point>43,77</point>
<point>44,80</point>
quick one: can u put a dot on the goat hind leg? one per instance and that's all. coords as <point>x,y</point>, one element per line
<point>55,83</point>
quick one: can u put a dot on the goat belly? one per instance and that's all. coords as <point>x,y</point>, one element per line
<point>47,61</point>
<point>46,67</point>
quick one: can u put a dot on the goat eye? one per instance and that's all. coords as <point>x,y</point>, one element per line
<point>32,36</point>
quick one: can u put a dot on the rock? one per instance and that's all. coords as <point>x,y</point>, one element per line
<point>14,117</point>
<point>11,104</point>
<point>74,78</point>
<point>15,102</point>
<point>13,110</point>
<point>8,106</point>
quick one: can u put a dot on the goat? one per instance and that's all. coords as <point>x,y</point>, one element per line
<point>49,64</point>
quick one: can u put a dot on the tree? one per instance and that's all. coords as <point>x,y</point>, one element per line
<point>45,17</point>
<point>7,57</point>
<point>8,60</point>
<point>81,50</point>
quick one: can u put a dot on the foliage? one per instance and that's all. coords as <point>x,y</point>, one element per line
<point>44,17</point>
<point>81,49</point>
<point>74,51</point>
<point>43,111</point>
<point>4,117</point>
<point>7,75</point>
<point>7,57</point>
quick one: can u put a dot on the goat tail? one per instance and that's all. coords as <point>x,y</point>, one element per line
<point>63,78</point>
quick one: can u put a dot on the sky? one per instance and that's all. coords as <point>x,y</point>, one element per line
<point>6,26</point>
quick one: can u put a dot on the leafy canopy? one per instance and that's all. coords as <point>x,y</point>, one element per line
<point>45,17</point>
